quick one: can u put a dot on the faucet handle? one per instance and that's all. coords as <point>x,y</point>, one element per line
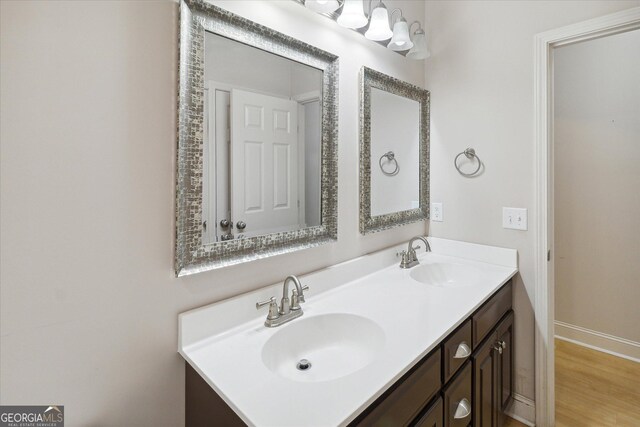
<point>297,299</point>
<point>273,308</point>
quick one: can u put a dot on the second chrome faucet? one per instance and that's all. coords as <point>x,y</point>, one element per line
<point>409,257</point>
<point>288,310</point>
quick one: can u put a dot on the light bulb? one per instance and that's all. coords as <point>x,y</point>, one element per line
<point>420,49</point>
<point>322,6</point>
<point>379,26</point>
<point>352,15</point>
<point>400,39</point>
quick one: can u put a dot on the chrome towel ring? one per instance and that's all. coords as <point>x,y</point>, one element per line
<point>391,157</point>
<point>470,154</point>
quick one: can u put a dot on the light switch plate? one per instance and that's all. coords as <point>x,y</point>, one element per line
<point>514,218</point>
<point>436,212</point>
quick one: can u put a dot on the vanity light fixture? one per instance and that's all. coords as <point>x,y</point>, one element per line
<point>322,6</point>
<point>379,26</point>
<point>352,15</point>
<point>420,50</point>
<point>401,39</point>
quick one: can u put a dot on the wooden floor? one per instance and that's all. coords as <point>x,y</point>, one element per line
<point>595,388</point>
<point>510,422</point>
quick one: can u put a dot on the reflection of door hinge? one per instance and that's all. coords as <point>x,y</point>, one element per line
<point>549,255</point>
<point>298,203</point>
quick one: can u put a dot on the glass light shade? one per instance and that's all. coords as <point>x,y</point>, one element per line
<point>352,15</point>
<point>420,50</point>
<point>322,6</point>
<point>379,26</point>
<point>400,39</point>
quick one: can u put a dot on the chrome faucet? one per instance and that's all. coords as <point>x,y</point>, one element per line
<point>409,257</point>
<point>287,310</point>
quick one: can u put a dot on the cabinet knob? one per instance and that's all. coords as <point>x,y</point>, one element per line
<point>241,225</point>
<point>463,351</point>
<point>498,346</point>
<point>463,410</point>
<point>224,223</point>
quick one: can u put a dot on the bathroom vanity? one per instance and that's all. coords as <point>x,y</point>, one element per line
<point>431,345</point>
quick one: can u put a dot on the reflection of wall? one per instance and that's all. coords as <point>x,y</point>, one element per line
<point>250,68</point>
<point>394,127</point>
<point>480,76</point>
<point>89,301</point>
<point>305,80</point>
<point>597,183</point>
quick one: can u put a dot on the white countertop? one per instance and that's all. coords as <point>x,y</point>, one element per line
<point>223,342</point>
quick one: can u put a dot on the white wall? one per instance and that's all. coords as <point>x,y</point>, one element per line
<point>480,76</point>
<point>597,184</point>
<point>88,298</point>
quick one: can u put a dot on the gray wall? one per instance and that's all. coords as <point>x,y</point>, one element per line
<point>88,297</point>
<point>597,184</point>
<point>480,76</point>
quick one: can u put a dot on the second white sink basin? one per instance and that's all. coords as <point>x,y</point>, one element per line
<point>329,346</point>
<point>446,274</point>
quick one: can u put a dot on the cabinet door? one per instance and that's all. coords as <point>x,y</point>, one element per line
<point>458,409</point>
<point>433,416</point>
<point>410,396</point>
<point>505,361</point>
<point>485,379</point>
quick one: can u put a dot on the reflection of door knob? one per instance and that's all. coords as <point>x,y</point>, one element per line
<point>224,223</point>
<point>241,225</point>
<point>227,236</point>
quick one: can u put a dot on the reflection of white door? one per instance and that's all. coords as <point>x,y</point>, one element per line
<point>264,163</point>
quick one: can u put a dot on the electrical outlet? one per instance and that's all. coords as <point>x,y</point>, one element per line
<point>514,218</point>
<point>436,212</point>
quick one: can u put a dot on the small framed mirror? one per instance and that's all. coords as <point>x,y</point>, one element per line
<point>257,142</point>
<point>394,152</point>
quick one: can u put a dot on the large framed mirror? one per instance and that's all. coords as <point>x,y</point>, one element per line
<point>394,152</point>
<point>257,142</point>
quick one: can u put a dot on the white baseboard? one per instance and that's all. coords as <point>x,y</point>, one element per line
<point>522,409</point>
<point>599,341</point>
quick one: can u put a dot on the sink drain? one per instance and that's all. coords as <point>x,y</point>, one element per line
<point>303,365</point>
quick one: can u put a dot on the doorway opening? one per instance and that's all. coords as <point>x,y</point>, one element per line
<point>545,301</point>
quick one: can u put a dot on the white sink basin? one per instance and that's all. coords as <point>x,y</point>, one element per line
<point>334,344</point>
<point>446,274</point>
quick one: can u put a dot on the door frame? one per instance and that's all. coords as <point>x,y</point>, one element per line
<point>544,304</point>
<point>302,99</point>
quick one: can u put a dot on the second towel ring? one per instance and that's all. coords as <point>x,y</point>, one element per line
<point>391,157</point>
<point>470,154</point>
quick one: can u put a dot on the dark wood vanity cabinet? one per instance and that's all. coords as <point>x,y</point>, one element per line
<point>485,372</point>
<point>402,403</point>
<point>505,362</point>
<point>493,375</point>
<point>467,380</point>
<point>476,375</point>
